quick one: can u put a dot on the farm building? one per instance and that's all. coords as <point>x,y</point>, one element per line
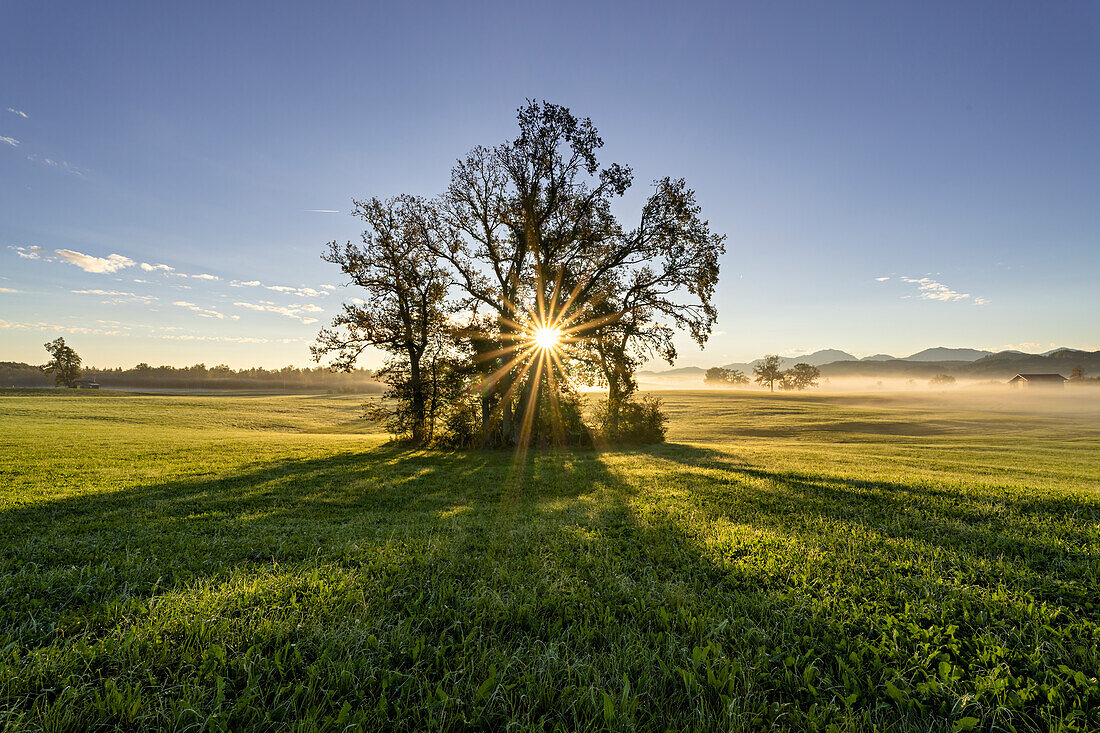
<point>86,384</point>
<point>1031,381</point>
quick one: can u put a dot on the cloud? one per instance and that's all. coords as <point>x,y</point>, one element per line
<point>881,279</point>
<point>157,333</point>
<point>62,164</point>
<point>118,296</point>
<point>19,112</point>
<point>28,253</point>
<point>932,290</point>
<point>204,276</point>
<point>204,312</point>
<point>292,312</point>
<point>10,290</point>
<point>151,268</point>
<point>309,308</point>
<point>88,263</point>
<point>10,141</point>
<point>322,211</point>
<point>287,289</point>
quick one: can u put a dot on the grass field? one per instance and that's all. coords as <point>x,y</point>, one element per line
<point>802,562</point>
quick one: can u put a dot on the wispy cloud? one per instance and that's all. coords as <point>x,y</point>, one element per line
<point>157,332</point>
<point>302,292</point>
<point>933,290</point>
<point>881,279</point>
<point>32,252</point>
<point>118,296</point>
<point>9,140</point>
<point>19,112</point>
<point>88,263</point>
<point>204,312</point>
<point>291,312</point>
<point>61,164</point>
<point>153,268</point>
<point>205,276</point>
<point>9,290</point>
<point>323,211</point>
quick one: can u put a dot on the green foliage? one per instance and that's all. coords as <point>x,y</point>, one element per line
<point>64,363</point>
<point>639,422</point>
<point>786,562</point>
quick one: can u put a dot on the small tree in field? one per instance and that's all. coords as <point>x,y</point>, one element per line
<point>65,364</point>
<point>942,380</point>
<point>721,377</point>
<point>768,371</point>
<point>799,377</point>
<point>1077,373</point>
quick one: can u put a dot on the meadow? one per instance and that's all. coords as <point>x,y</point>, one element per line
<point>802,562</point>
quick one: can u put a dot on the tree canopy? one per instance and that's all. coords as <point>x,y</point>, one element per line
<point>64,363</point>
<point>537,286</point>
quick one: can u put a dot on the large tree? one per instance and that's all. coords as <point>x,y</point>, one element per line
<point>64,363</point>
<point>535,246</point>
<point>404,312</point>
<point>548,287</point>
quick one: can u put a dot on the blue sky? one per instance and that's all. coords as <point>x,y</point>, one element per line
<point>950,148</point>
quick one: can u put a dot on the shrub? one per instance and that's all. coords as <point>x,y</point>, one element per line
<point>639,422</point>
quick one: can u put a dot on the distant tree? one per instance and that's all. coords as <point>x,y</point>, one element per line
<point>721,377</point>
<point>404,313</point>
<point>1077,373</point>
<point>942,380</point>
<point>799,377</point>
<point>65,364</point>
<point>768,371</point>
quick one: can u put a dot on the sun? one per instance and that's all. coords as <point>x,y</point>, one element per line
<point>547,339</point>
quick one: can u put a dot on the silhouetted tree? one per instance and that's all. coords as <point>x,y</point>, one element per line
<point>533,241</point>
<point>722,377</point>
<point>64,363</point>
<point>799,377</point>
<point>942,380</point>
<point>768,371</point>
<point>404,312</point>
<point>1077,373</point>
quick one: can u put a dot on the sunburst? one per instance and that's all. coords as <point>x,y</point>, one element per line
<point>547,338</point>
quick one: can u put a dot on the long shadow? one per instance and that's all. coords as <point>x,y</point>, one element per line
<point>558,564</point>
<point>1052,536</point>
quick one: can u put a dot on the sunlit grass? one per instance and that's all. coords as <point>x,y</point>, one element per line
<point>254,563</point>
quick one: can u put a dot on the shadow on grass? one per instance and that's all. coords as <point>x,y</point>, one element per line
<point>567,576</point>
<point>1050,536</point>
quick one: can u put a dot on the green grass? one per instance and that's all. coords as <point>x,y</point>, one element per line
<point>803,562</point>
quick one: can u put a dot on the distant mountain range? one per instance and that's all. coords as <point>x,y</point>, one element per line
<point>963,363</point>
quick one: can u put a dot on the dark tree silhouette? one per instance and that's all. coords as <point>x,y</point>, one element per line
<point>533,242</point>
<point>800,376</point>
<point>64,363</point>
<point>524,242</point>
<point>768,371</point>
<point>721,377</point>
<point>404,312</point>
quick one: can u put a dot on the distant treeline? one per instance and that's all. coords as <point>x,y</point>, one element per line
<point>199,376</point>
